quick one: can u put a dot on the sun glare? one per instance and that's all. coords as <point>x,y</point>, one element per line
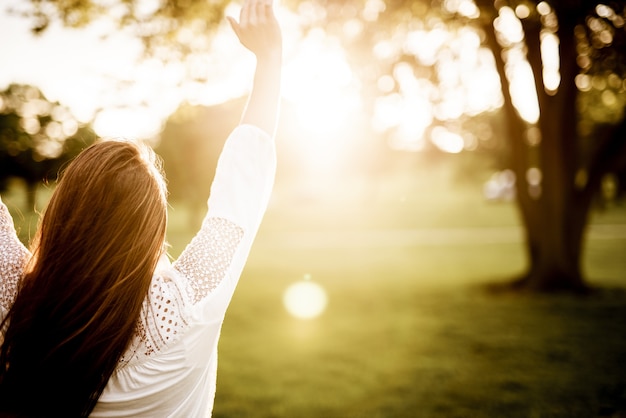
<point>305,299</point>
<point>320,89</point>
<point>134,97</point>
<point>318,81</point>
<point>128,123</point>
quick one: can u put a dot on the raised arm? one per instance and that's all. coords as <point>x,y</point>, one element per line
<point>245,171</point>
<point>259,31</point>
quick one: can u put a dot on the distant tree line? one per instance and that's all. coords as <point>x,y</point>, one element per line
<point>37,137</point>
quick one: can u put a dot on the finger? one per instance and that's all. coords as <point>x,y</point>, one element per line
<point>253,18</point>
<point>234,25</point>
<point>261,11</point>
<point>269,9</point>
<point>244,15</point>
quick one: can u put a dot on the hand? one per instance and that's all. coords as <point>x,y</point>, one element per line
<point>258,29</point>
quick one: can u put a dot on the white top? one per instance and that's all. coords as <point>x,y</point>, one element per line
<point>170,368</point>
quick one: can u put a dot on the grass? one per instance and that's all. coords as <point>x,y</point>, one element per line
<point>409,331</point>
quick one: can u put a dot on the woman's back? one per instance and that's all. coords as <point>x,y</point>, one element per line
<point>96,249</point>
<point>169,369</point>
<point>89,322</point>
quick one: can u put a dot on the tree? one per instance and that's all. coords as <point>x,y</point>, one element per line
<point>190,146</point>
<point>560,151</point>
<point>559,164</point>
<point>37,137</point>
<point>171,30</point>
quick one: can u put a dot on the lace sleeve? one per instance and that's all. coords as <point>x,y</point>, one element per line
<point>240,192</point>
<point>207,257</point>
<point>13,258</point>
<point>203,265</point>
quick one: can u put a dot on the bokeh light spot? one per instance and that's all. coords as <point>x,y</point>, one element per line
<point>305,299</point>
<point>447,141</point>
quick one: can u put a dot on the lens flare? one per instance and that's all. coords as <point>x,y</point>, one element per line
<point>305,299</point>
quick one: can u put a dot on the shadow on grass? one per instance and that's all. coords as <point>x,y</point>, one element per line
<point>389,348</point>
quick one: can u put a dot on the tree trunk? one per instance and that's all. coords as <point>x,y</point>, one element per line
<point>554,216</point>
<point>556,236</point>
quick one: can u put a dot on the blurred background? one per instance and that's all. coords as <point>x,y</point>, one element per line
<point>447,234</point>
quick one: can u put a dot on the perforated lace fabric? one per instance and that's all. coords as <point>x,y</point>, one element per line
<point>13,259</point>
<point>203,264</point>
<point>207,257</point>
<point>161,320</point>
<point>170,366</point>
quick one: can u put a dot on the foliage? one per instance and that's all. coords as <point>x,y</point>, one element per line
<point>412,60</point>
<point>169,29</point>
<point>394,32</point>
<point>598,79</point>
<point>36,136</point>
<point>558,169</point>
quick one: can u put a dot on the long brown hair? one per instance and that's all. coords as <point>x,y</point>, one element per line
<point>94,255</point>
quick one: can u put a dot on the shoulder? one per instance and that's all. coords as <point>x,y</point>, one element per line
<point>164,315</point>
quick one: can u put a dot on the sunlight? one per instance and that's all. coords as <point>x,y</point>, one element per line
<point>550,60</point>
<point>508,26</point>
<point>409,116</point>
<point>425,45</point>
<point>320,84</point>
<point>446,140</point>
<point>305,299</point>
<point>138,122</point>
<point>321,90</point>
<point>465,8</point>
<point>518,70</point>
<point>467,84</point>
<point>131,97</point>
<point>221,75</point>
<point>522,87</point>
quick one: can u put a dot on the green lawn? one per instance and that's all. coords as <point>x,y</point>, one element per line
<point>409,331</point>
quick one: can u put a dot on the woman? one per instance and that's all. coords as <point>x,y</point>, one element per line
<point>95,321</point>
